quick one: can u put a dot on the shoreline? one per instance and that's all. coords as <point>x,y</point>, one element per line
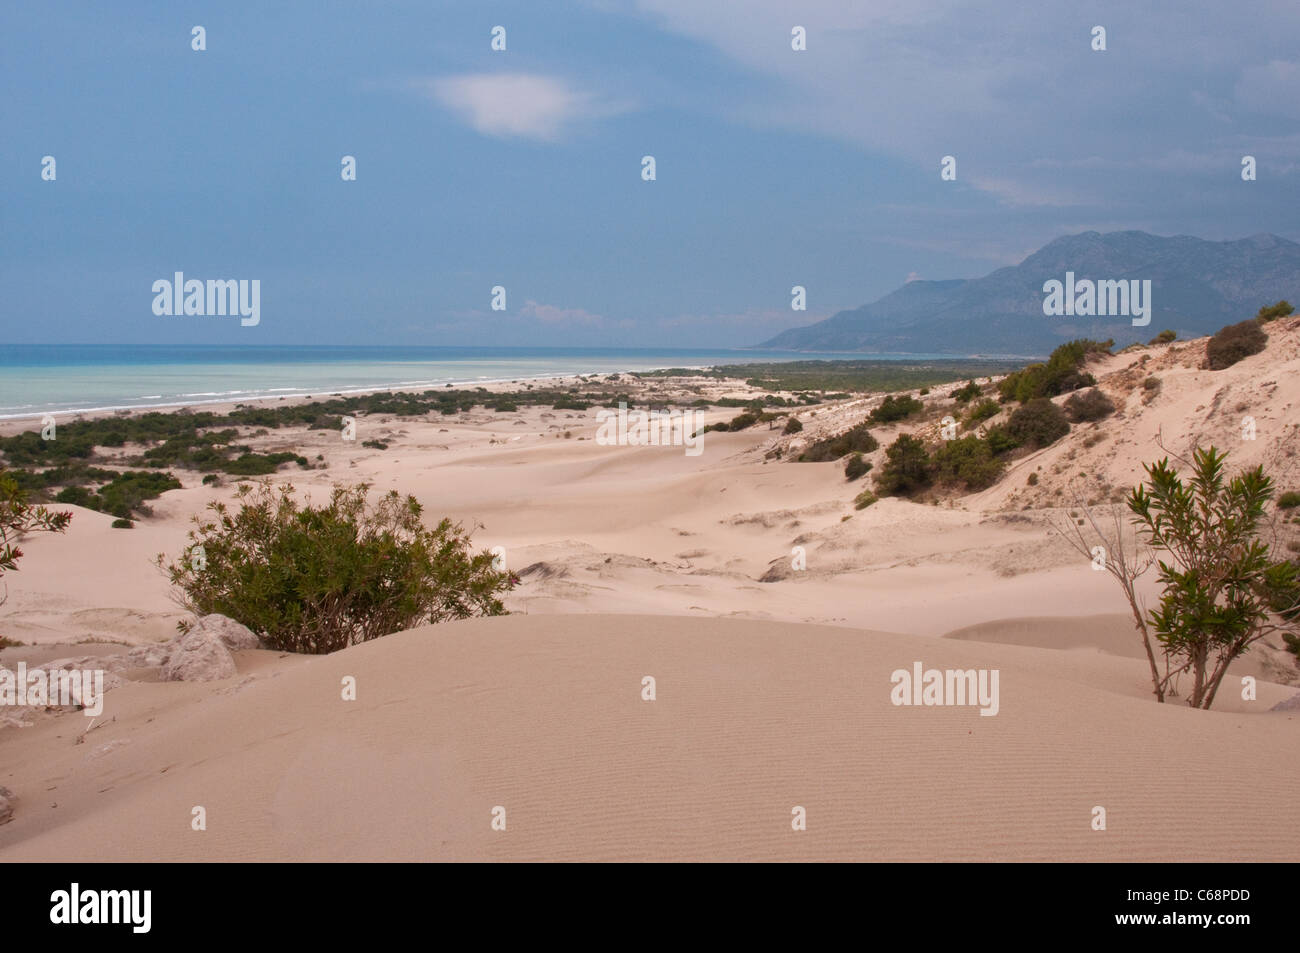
<point>228,404</point>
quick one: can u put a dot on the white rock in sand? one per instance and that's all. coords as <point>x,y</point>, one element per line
<point>199,656</point>
<point>234,635</point>
<point>152,654</point>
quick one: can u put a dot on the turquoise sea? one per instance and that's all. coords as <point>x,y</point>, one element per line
<point>40,379</point>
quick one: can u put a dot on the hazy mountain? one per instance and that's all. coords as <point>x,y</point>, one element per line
<point>1197,287</point>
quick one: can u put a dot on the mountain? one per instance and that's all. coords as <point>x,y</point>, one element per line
<point>1197,287</point>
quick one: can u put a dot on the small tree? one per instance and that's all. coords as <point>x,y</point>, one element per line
<point>1222,590</point>
<point>907,467</point>
<point>317,580</point>
<point>1221,583</point>
<point>17,519</point>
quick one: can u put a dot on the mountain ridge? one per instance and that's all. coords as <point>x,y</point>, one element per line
<point>1198,286</point>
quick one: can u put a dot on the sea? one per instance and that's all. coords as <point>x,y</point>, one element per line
<point>40,379</point>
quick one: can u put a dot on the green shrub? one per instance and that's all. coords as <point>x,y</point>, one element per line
<point>792,426</point>
<point>1234,343</point>
<point>856,439</point>
<point>740,422</point>
<point>1164,337</point>
<point>856,467</point>
<point>969,461</point>
<point>1273,312</point>
<point>18,518</point>
<point>77,496</point>
<point>124,495</point>
<point>906,469</point>
<point>211,479</point>
<point>318,579</point>
<point>128,492</point>
<point>122,524</point>
<point>1088,405</point>
<point>863,500</point>
<point>1151,383</point>
<point>1000,440</point>
<point>1038,423</point>
<point>967,393</point>
<point>982,411</point>
<point>256,464</point>
<point>1033,478</point>
<point>375,444</point>
<point>894,408</point>
<point>1221,585</point>
<point>1288,500</point>
<point>1061,374</point>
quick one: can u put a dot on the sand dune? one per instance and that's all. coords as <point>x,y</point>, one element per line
<point>773,671</point>
<point>544,717</point>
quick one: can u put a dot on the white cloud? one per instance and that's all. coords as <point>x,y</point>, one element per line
<point>550,314</point>
<point>517,105</point>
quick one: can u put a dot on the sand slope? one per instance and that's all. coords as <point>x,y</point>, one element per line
<point>543,715</point>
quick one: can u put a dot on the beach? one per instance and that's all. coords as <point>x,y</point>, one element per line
<point>771,613</point>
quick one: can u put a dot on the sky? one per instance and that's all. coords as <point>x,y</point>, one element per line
<point>522,168</point>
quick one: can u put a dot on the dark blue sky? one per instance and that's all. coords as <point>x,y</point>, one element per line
<point>522,168</point>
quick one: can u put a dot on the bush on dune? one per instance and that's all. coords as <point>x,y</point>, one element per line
<point>906,469</point>
<point>982,411</point>
<point>318,579</point>
<point>1273,312</point>
<point>1234,343</point>
<point>1038,423</point>
<point>1088,405</point>
<point>894,408</point>
<point>968,461</point>
<point>1221,586</point>
<point>856,439</point>
<point>856,467</point>
<point>1062,373</point>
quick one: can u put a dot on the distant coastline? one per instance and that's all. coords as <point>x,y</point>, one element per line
<point>93,379</point>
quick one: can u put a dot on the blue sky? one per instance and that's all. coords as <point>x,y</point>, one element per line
<point>522,168</point>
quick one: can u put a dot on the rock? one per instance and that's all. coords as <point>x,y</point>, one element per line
<point>6,805</point>
<point>151,655</point>
<point>234,635</point>
<point>199,656</point>
<point>1291,704</point>
<point>108,664</point>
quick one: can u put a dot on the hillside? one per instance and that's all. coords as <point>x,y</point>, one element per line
<point>1197,287</point>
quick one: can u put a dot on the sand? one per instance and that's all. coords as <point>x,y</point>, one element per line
<point>773,683</point>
